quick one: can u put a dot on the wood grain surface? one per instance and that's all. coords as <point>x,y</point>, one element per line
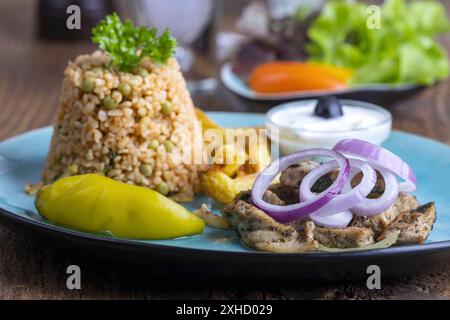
<point>30,77</point>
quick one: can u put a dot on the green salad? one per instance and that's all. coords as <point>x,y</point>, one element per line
<point>401,48</point>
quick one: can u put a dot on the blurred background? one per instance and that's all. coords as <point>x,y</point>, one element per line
<point>35,47</point>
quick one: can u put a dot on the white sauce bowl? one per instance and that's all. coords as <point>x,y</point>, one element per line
<point>300,129</point>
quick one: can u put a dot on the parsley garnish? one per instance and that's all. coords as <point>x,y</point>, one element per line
<point>128,45</point>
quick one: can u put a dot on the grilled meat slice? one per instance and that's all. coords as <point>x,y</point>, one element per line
<point>377,190</point>
<point>300,225</point>
<point>380,222</point>
<point>262,232</point>
<point>272,198</point>
<point>350,237</point>
<point>245,196</point>
<point>289,195</point>
<point>269,197</point>
<point>327,180</point>
<point>414,225</point>
<point>293,175</point>
<point>210,218</point>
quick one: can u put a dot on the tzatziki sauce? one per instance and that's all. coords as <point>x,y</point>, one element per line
<point>300,128</point>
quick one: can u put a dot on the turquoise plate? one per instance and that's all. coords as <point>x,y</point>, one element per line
<point>22,158</point>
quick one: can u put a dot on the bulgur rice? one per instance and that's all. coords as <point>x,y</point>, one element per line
<point>116,139</point>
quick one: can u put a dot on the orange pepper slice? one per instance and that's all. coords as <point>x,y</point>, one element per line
<point>339,73</point>
<point>288,76</point>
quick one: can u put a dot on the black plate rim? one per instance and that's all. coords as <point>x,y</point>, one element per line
<point>79,235</point>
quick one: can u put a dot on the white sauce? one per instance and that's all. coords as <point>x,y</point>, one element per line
<point>303,118</point>
<point>299,128</point>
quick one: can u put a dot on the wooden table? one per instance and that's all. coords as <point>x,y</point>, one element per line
<point>30,78</point>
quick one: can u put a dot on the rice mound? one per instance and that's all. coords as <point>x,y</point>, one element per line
<point>89,138</point>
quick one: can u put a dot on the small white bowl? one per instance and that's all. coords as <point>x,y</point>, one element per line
<point>294,137</point>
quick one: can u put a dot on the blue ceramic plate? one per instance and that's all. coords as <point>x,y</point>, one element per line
<point>22,158</point>
<point>236,85</point>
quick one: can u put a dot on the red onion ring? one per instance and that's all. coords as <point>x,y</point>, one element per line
<point>381,157</point>
<point>339,220</point>
<point>369,207</point>
<point>343,201</point>
<point>286,214</point>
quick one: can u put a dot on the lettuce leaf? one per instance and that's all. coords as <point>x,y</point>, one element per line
<point>403,50</point>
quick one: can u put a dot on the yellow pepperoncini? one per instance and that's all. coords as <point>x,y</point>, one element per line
<point>95,203</point>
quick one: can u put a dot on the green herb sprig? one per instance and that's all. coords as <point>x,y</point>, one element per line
<point>128,45</point>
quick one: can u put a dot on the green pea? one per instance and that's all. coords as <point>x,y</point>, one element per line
<point>142,72</point>
<point>168,145</point>
<point>153,144</point>
<point>124,89</point>
<point>88,85</point>
<point>166,108</point>
<point>109,103</point>
<point>162,188</point>
<point>106,170</point>
<point>146,170</point>
<point>112,155</point>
